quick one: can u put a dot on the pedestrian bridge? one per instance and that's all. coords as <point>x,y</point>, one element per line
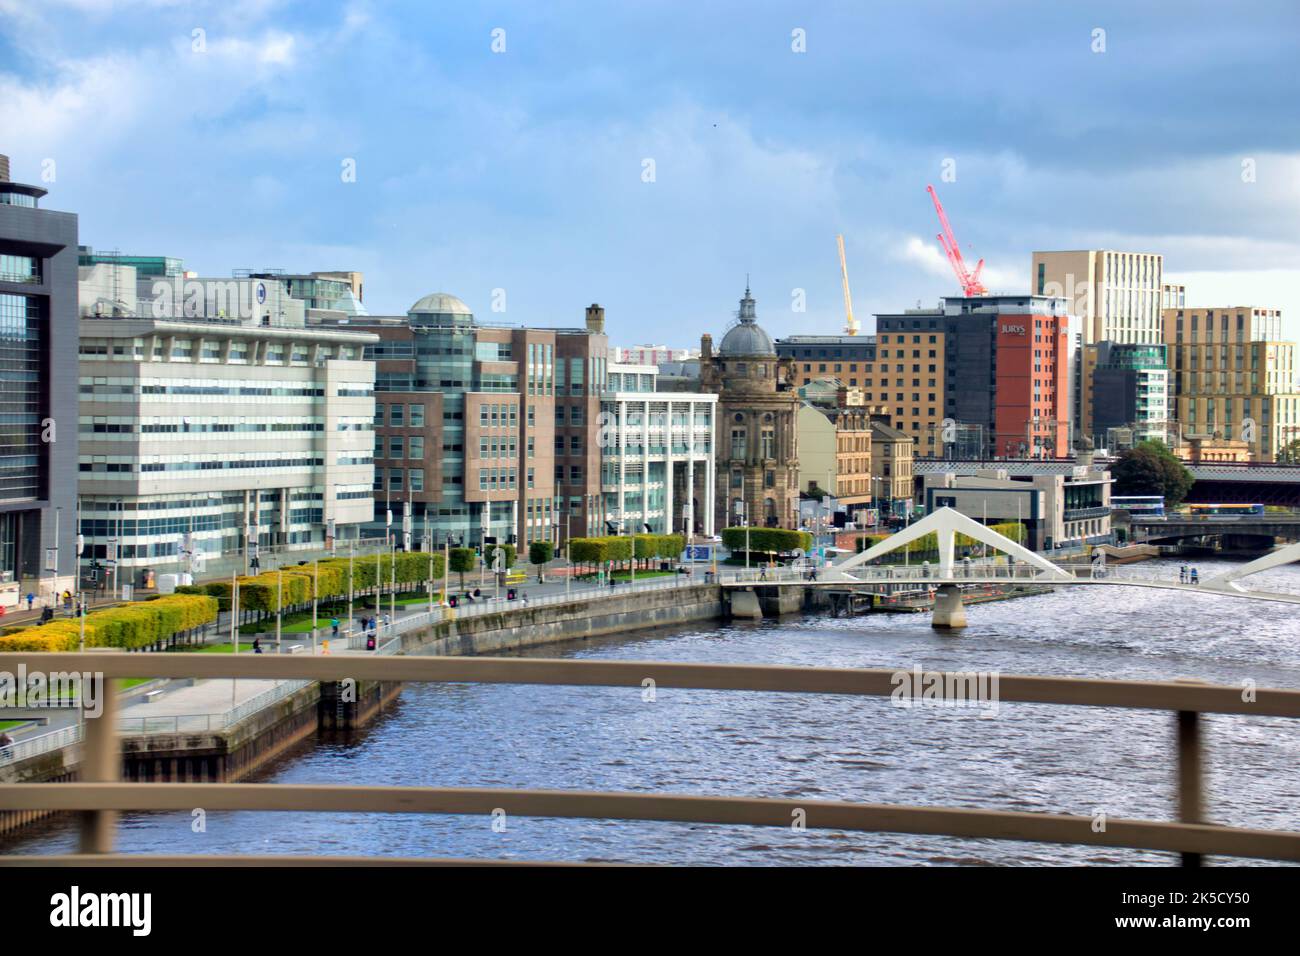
<point>1021,566</point>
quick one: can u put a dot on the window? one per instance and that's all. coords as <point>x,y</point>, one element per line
<point>397,415</point>
<point>417,479</point>
<point>738,443</point>
<point>415,447</point>
<point>395,445</point>
<point>417,416</point>
<point>379,414</point>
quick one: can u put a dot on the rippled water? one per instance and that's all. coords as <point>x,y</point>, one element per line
<point>1030,757</point>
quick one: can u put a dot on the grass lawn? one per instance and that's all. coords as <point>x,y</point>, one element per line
<point>626,576</point>
<point>403,600</point>
<point>217,648</point>
<point>297,623</point>
<point>11,724</point>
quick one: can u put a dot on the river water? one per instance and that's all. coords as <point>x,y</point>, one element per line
<point>1029,757</point>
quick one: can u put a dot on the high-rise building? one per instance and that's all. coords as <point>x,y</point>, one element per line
<point>757,447</point>
<point>999,365</point>
<point>1126,389</point>
<point>1234,377</point>
<point>849,359</point>
<point>38,394</point>
<point>1112,297</point>
<point>485,432</point>
<point>657,460</point>
<point>1118,296</point>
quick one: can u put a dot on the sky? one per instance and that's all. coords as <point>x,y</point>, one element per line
<point>534,158</point>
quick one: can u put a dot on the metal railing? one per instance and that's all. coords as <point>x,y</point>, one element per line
<point>201,723</point>
<point>41,744</point>
<point>102,795</point>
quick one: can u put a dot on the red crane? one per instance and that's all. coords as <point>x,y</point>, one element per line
<point>970,281</point>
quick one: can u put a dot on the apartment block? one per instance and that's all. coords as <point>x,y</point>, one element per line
<point>1234,376</point>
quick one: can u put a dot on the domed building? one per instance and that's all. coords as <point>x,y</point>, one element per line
<point>756,450</point>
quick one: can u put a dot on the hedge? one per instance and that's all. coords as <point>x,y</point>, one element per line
<point>766,540</point>
<point>598,551</point>
<point>128,625</point>
<point>301,582</point>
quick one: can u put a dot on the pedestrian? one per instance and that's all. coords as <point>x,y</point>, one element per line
<point>257,645</point>
<point>47,614</point>
<point>67,600</point>
<point>5,743</point>
<point>388,622</point>
<point>762,573</point>
<point>1182,574</point>
<point>334,626</point>
<point>525,600</point>
<point>1196,576</point>
<point>31,599</point>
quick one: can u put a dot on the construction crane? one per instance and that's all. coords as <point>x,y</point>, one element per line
<point>850,324</point>
<point>970,281</point>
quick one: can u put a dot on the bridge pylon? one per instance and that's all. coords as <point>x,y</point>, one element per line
<point>946,523</point>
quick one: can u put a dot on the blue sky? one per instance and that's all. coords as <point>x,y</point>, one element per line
<point>523,170</point>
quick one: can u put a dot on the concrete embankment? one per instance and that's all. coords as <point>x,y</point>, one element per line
<point>521,627</point>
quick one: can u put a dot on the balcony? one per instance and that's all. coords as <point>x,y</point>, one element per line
<point>1084,514</point>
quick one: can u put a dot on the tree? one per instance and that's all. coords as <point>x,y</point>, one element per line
<point>462,560</point>
<point>1149,468</point>
<point>539,553</point>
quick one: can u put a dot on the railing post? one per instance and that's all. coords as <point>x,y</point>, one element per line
<point>101,762</point>
<point>1191,805</point>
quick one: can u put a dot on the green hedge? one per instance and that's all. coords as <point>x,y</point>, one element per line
<point>333,579</point>
<point>619,548</point>
<point>128,625</point>
<point>766,540</point>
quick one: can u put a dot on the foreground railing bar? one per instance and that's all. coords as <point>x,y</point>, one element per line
<point>681,808</point>
<point>270,859</point>
<point>878,682</point>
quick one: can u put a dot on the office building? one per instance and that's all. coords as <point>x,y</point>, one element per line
<point>657,455</point>
<point>849,359</point>
<point>321,291</point>
<point>1126,390</point>
<point>652,355</point>
<point>1118,296</point>
<point>208,443</point>
<point>484,432</point>
<point>1002,362</point>
<point>757,448</point>
<point>1058,511</point>
<point>1234,376</point>
<point>38,396</point>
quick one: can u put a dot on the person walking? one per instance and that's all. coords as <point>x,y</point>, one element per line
<point>31,599</point>
<point>257,645</point>
<point>1196,576</point>
<point>1182,574</point>
<point>5,743</point>
<point>334,626</point>
<point>67,600</point>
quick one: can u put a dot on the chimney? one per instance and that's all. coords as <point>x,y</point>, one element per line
<point>4,168</point>
<point>595,319</point>
<point>706,348</point>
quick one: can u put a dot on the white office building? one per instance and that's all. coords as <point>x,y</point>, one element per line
<point>657,469</point>
<point>205,437</point>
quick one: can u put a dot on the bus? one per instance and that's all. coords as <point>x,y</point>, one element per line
<point>1139,506</point>
<point>1200,510</point>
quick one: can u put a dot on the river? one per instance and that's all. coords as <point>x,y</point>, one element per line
<point>1029,757</point>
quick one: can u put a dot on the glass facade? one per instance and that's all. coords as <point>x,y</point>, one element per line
<point>22,347</point>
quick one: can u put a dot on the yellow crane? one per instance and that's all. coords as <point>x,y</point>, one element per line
<point>851,324</point>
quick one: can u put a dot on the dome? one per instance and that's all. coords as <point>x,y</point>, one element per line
<point>440,303</point>
<point>747,337</point>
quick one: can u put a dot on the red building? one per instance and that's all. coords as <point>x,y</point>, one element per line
<point>1031,376</point>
